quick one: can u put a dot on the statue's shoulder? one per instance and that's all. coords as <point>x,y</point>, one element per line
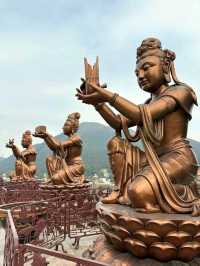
<point>76,139</point>
<point>182,91</point>
<point>183,95</point>
<point>28,152</point>
<point>33,150</point>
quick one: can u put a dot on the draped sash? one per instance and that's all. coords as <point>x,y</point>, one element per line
<point>151,133</point>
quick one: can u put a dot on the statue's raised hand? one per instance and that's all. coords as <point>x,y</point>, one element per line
<point>91,93</point>
<point>40,132</point>
<point>10,143</point>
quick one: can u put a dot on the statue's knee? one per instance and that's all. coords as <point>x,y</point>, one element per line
<point>32,170</point>
<point>135,189</point>
<point>49,159</point>
<point>116,154</point>
<point>55,179</point>
<point>18,163</point>
<point>140,193</point>
<point>114,144</point>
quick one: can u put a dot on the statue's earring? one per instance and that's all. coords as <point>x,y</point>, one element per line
<point>167,77</point>
<point>167,71</point>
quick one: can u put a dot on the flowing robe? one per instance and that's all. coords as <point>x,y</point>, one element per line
<point>25,166</point>
<point>66,166</point>
<point>168,162</point>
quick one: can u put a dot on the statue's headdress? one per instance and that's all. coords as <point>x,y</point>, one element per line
<point>27,134</point>
<point>73,118</point>
<point>153,47</point>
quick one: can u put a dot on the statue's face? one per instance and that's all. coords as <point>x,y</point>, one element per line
<point>150,74</point>
<point>25,142</point>
<point>67,128</point>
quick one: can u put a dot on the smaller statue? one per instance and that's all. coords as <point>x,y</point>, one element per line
<point>65,165</point>
<point>25,166</point>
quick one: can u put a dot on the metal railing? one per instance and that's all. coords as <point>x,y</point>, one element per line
<point>38,259</point>
<point>11,246</point>
<point>34,227</point>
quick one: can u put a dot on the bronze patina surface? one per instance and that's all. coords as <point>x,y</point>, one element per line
<point>162,177</point>
<point>65,165</point>
<point>155,235</point>
<point>103,251</point>
<point>25,165</point>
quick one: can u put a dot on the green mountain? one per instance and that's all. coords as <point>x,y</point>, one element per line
<point>95,137</point>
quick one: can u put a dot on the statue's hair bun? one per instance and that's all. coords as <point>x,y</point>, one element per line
<point>27,132</point>
<point>77,115</point>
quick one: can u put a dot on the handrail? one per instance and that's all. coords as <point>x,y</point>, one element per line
<point>14,251</point>
<point>14,231</point>
<point>11,246</point>
<point>61,255</point>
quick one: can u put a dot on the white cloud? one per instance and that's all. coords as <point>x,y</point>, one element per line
<point>43,44</point>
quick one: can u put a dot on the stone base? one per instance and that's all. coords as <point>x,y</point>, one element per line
<point>18,178</point>
<point>69,186</point>
<point>104,252</point>
<point>161,236</point>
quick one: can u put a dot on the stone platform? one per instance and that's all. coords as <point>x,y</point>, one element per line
<point>69,186</point>
<point>159,236</point>
<point>102,251</point>
<point>70,190</point>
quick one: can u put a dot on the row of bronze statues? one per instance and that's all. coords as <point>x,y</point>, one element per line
<point>154,208</point>
<point>64,166</point>
<point>162,177</point>
<point>158,179</point>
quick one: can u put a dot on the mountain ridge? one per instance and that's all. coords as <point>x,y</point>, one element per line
<point>95,137</point>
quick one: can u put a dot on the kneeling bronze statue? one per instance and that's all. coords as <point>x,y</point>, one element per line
<point>159,181</point>
<point>65,165</point>
<point>25,165</point>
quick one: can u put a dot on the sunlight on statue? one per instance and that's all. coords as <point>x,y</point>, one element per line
<point>25,165</point>
<point>162,177</point>
<point>65,165</point>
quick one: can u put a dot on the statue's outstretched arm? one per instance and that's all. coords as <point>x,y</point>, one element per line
<point>158,108</point>
<point>108,115</point>
<point>52,142</point>
<point>71,141</point>
<point>16,152</point>
<point>128,109</point>
<point>67,143</point>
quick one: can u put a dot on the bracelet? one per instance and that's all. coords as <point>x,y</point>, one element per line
<point>98,106</point>
<point>113,99</point>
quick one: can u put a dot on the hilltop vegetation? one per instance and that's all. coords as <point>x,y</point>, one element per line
<point>95,137</point>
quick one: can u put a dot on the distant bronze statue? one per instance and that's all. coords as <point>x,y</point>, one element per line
<point>65,165</point>
<point>161,178</point>
<point>159,182</point>
<point>25,166</point>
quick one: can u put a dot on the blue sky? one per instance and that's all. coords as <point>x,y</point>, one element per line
<point>43,44</point>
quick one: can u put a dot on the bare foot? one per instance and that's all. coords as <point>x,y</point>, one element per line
<point>196,208</point>
<point>149,208</point>
<point>124,200</point>
<point>112,198</point>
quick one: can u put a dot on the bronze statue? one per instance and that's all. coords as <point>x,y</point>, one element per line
<point>162,177</point>
<point>25,166</point>
<point>65,165</point>
<point>159,182</point>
